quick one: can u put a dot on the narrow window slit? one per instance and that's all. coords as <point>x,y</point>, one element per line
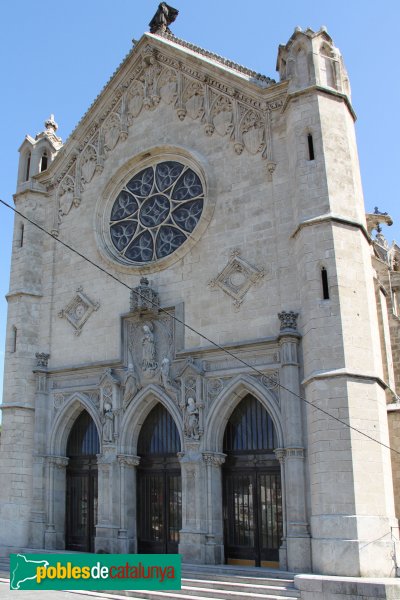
<point>325,286</point>
<point>21,235</point>
<point>14,339</point>
<point>43,162</point>
<point>28,167</point>
<point>311,154</point>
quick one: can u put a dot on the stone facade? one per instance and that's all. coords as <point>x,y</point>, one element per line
<point>274,174</point>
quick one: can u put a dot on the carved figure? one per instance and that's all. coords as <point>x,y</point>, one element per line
<point>165,373</point>
<point>192,420</point>
<point>164,16</point>
<point>108,423</point>
<point>149,362</point>
<point>131,386</point>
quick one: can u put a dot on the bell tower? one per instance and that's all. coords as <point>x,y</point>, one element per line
<point>351,497</point>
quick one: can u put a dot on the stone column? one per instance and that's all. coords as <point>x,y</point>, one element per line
<point>280,454</point>
<point>297,530</point>
<point>127,533</point>
<point>192,536</point>
<point>214,550</point>
<point>108,518</point>
<point>56,488</point>
<point>38,510</point>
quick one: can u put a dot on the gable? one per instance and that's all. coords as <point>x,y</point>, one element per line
<point>228,100</point>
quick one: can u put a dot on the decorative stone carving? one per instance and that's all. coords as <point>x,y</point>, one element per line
<point>42,359</point>
<point>288,320</point>
<point>128,460</point>
<point>144,299</point>
<point>78,310</point>
<point>58,462</point>
<point>149,362</point>
<point>66,195</point>
<point>131,386</point>
<point>165,372</point>
<point>108,421</point>
<point>222,115</point>
<point>149,78</point>
<point>168,86</point>
<point>253,130</point>
<point>58,400</point>
<point>164,16</point>
<point>193,99</point>
<point>88,163</point>
<point>214,388</point>
<point>147,343</point>
<point>191,420</point>
<point>215,459</point>
<point>112,129</point>
<point>237,278</point>
<point>134,101</point>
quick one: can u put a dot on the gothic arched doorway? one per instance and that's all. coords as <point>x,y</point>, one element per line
<point>159,514</point>
<point>81,502</point>
<point>251,487</point>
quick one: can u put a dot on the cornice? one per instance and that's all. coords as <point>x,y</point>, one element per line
<point>317,88</point>
<point>332,218</point>
<point>335,373</point>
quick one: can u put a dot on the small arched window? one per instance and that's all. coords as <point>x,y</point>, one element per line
<point>28,166</point>
<point>44,161</point>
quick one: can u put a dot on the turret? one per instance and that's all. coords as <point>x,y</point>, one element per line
<point>37,153</point>
<point>310,58</point>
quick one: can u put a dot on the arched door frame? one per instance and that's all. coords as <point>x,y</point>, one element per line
<point>57,462</point>
<point>216,423</point>
<point>130,428</point>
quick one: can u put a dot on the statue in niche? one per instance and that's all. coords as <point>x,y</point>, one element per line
<point>108,423</point>
<point>132,386</point>
<point>149,362</point>
<point>192,420</point>
<point>164,16</point>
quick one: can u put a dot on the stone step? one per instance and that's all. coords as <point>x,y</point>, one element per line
<point>238,591</point>
<point>187,595</point>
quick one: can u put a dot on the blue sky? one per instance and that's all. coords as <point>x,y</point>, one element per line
<point>55,57</point>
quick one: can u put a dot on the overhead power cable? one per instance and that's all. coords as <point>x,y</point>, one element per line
<point>193,330</point>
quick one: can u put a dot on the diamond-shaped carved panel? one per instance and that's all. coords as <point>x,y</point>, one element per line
<point>237,278</point>
<point>78,310</point>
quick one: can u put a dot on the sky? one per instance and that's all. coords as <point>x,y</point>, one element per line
<point>55,57</point>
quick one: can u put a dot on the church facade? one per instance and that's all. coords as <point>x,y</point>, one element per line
<point>196,348</point>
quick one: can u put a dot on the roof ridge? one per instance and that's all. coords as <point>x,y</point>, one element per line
<point>225,61</point>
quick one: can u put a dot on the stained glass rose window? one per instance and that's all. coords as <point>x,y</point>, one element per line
<point>156,212</point>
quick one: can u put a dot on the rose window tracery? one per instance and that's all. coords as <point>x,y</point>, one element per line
<point>156,212</point>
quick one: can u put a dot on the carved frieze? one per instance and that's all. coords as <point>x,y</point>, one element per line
<point>154,77</point>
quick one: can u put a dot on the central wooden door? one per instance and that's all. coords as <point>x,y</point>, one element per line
<point>159,513</point>
<point>81,485</point>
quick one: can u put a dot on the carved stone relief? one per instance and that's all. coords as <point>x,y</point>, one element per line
<point>149,342</point>
<point>78,310</point>
<point>237,278</point>
<point>88,163</point>
<point>155,76</point>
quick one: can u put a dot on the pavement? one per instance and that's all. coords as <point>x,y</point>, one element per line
<point>7,594</point>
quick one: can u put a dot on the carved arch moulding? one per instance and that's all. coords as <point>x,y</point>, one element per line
<point>155,77</point>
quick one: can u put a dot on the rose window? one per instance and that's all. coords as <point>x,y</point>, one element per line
<point>156,212</point>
